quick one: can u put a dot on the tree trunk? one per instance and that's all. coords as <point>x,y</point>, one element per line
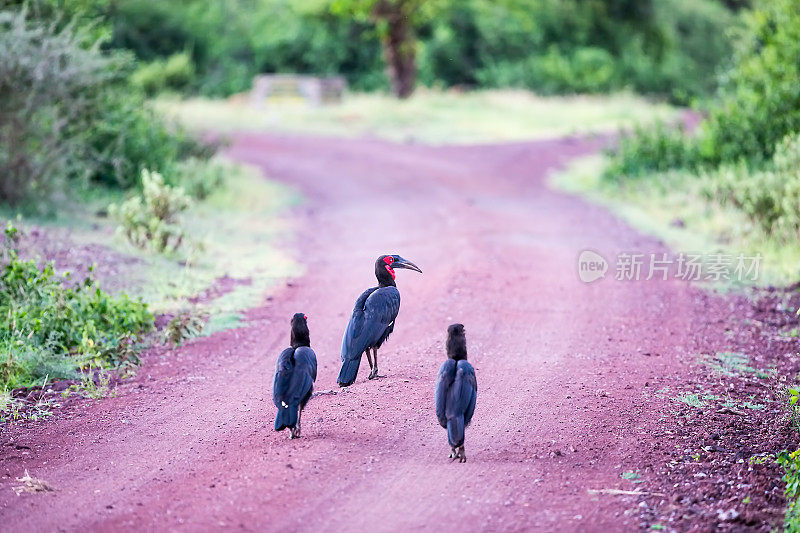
<point>398,45</point>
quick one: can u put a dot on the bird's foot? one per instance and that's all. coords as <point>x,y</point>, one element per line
<point>373,373</point>
<point>294,433</point>
<point>462,455</point>
<point>453,454</point>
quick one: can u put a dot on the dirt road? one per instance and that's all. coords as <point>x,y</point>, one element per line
<point>566,370</point>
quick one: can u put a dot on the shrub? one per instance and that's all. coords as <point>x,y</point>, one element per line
<point>652,149</point>
<point>128,138</point>
<point>51,326</point>
<point>197,177</point>
<point>770,197</point>
<point>184,326</point>
<point>669,47</point>
<point>758,103</point>
<point>791,466</point>
<point>175,73</point>
<point>50,88</point>
<point>151,220</point>
<point>68,112</point>
<point>760,97</point>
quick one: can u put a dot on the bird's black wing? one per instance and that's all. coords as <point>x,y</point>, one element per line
<point>306,359</point>
<point>444,381</point>
<point>375,310</point>
<point>463,393</point>
<point>293,381</point>
<point>284,368</point>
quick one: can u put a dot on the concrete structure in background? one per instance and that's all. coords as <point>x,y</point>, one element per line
<point>313,89</point>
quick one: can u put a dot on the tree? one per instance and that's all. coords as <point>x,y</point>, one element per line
<point>396,21</point>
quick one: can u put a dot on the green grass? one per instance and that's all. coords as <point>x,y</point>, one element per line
<point>432,117</point>
<point>235,232</point>
<point>696,400</point>
<point>732,363</point>
<point>673,209</point>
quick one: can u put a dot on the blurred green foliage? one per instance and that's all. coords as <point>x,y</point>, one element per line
<point>653,148</point>
<point>757,106</point>
<point>70,113</point>
<point>747,149</point>
<point>669,47</point>
<point>174,73</point>
<point>230,41</point>
<point>769,196</point>
<point>759,101</point>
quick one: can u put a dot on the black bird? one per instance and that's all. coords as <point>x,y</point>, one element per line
<point>373,319</point>
<point>295,373</point>
<point>456,392</point>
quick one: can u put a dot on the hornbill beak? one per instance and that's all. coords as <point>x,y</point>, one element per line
<point>399,262</point>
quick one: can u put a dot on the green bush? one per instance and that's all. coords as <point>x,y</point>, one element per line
<point>652,149</point>
<point>586,69</point>
<point>175,73</point>
<point>197,177</point>
<point>52,326</point>
<point>760,97</point>
<point>791,466</point>
<point>770,197</point>
<point>695,47</point>
<point>127,138</point>
<point>758,103</point>
<point>50,88</point>
<point>68,112</point>
<point>151,220</point>
<point>668,47</point>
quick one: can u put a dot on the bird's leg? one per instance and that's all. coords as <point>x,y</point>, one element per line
<point>369,358</point>
<point>453,453</point>
<point>297,427</point>
<point>462,455</point>
<point>374,373</point>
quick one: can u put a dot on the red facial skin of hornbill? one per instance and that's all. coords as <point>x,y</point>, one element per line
<point>456,392</point>
<point>372,320</point>
<point>295,374</point>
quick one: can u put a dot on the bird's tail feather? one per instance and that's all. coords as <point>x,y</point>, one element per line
<point>349,371</point>
<point>455,430</point>
<point>286,417</point>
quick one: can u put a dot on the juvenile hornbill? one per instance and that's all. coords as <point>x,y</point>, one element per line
<point>456,392</point>
<point>373,319</point>
<point>295,373</point>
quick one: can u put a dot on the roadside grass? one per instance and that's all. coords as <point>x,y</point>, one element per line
<point>674,209</point>
<point>232,256</point>
<point>431,117</point>
<point>732,363</point>
<point>235,232</point>
<point>724,364</point>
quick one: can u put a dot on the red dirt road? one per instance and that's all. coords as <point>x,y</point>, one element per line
<point>565,370</point>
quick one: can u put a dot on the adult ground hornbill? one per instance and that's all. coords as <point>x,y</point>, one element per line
<point>295,373</point>
<point>456,392</point>
<point>373,319</point>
